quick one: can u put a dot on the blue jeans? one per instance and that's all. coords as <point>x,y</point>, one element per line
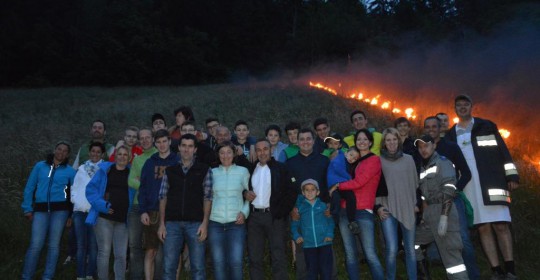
<point>227,242</point>
<point>468,253</point>
<point>44,224</point>
<point>177,233</point>
<point>136,253</point>
<point>390,231</point>
<point>319,262</point>
<point>86,244</point>
<point>110,233</point>
<point>367,238</point>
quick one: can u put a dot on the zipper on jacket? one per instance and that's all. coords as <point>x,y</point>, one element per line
<point>313,224</point>
<point>51,177</point>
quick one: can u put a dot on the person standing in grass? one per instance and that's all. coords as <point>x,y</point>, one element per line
<point>322,130</point>
<point>86,238</point>
<point>291,129</point>
<point>211,125</point>
<point>182,114</point>
<point>150,184</point>
<point>111,197</point>
<point>98,131</point>
<point>359,121</point>
<point>494,177</point>
<point>440,222</point>
<point>46,204</point>
<point>451,151</point>
<point>272,197</point>
<point>397,210</point>
<point>227,230</point>
<point>273,135</point>
<point>130,141</point>
<point>305,165</point>
<point>314,232</point>
<point>364,185</point>
<point>243,140</point>
<point>184,209</point>
<point>136,255</point>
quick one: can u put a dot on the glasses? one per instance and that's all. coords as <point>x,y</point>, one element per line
<point>212,126</point>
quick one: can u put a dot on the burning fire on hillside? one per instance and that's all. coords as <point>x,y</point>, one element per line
<point>409,112</point>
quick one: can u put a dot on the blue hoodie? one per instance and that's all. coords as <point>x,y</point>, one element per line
<point>151,177</point>
<point>95,192</point>
<point>313,225</point>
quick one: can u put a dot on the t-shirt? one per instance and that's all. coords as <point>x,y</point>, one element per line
<point>117,194</point>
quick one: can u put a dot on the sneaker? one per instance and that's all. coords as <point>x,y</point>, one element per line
<point>354,227</point>
<point>510,276</point>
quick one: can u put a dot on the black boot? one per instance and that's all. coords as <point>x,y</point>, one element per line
<point>422,270</point>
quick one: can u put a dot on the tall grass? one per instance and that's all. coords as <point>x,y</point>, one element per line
<point>33,120</point>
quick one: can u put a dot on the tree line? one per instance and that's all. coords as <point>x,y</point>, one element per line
<point>179,42</point>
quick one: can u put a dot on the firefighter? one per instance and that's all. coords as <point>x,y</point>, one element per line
<point>440,221</point>
<point>494,176</point>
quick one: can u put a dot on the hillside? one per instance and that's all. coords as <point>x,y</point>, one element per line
<point>33,120</point>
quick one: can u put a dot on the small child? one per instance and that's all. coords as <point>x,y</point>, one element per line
<point>339,171</point>
<point>315,231</point>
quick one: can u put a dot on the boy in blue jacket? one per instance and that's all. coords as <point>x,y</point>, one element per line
<point>314,231</point>
<point>340,170</point>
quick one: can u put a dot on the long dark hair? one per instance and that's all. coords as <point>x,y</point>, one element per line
<point>50,156</point>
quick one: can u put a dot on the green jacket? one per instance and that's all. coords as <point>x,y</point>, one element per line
<point>135,171</point>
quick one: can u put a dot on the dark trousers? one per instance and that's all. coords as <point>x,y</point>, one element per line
<point>319,262</point>
<point>261,227</point>
<point>350,205</point>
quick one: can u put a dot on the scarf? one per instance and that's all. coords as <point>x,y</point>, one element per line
<point>391,157</point>
<point>91,167</point>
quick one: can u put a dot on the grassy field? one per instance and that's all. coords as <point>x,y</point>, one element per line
<point>33,120</point>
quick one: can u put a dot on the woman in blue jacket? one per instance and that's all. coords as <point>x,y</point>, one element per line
<point>46,205</point>
<point>111,198</point>
<point>226,230</point>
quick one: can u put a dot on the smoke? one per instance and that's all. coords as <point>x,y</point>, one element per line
<point>500,73</point>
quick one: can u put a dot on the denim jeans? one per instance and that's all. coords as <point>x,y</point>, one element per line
<point>178,233</point>
<point>44,224</point>
<point>367,238</point>
<point>319,262</point>
<point>468,253</point>
<point>136,254</point>
<point>390,231</point>
<point>227,242</point>
<point>110,233</point>
<point>86,245</point>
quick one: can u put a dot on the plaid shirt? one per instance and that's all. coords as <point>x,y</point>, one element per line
<point>207,183</point>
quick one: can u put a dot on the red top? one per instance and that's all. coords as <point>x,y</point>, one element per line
<point>135,151</point>
<point>365,183</point>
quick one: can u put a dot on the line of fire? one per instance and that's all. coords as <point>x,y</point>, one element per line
<point>527,154</point>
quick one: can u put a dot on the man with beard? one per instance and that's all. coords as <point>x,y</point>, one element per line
<point>97,132</point>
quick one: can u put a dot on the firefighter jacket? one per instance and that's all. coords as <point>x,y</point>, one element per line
<point>493,161</point>
<point>437,180</point>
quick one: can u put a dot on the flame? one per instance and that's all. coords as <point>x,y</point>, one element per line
<point>374,101</point>
<point>504,133</point>
<point>409,112</point>
<point>321,86</point>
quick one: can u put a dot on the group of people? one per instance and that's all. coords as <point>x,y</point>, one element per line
<point>168,193</point>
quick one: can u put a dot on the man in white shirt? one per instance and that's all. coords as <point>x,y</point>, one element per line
<point>271,197</point>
